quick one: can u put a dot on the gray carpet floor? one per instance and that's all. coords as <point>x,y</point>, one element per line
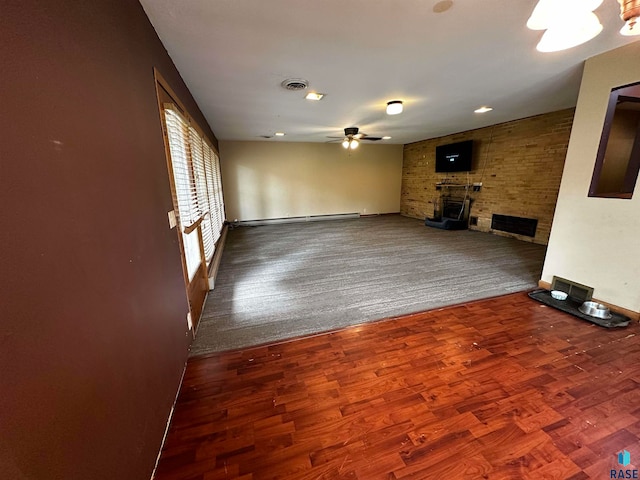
<point>287,280</point>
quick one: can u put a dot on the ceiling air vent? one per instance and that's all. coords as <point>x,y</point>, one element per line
<point>295,84</point>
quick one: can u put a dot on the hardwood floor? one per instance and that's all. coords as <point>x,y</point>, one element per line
<point>494,389</point>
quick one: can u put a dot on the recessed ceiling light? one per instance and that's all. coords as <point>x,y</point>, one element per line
<point>394,107</point>
<point>483,110</point>
<point>386,137</point>
<point>279,134</point>
<point>314,96</point>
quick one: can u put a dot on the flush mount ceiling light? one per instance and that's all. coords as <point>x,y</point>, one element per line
<point>569,23</point>
<point>279,134</point>
<point>314,96</point>
<point>394,107</point>
<point>547,12</point>
<point>386,137</point>
<point>564,35</point>
<point>483,109</point>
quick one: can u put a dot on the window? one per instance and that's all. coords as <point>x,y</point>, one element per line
<point>194,177</point>
<point>177,130</point>
<point>196,170</point>
<point>206,167</point>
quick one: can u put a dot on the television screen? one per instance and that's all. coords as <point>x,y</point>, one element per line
<point>454,157</point>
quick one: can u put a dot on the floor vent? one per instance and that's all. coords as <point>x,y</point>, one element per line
<point>517,225</point>
<point>576,291</point>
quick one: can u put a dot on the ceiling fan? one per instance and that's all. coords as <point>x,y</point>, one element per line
<point>352,138</point>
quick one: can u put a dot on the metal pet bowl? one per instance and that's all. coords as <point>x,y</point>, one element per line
<point>595,309</point>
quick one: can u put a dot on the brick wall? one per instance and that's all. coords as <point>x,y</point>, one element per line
<point>519,164</point>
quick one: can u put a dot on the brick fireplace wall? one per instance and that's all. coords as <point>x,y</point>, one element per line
<point>519,164</point>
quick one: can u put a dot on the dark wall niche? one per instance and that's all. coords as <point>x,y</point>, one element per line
<point>618,159</point>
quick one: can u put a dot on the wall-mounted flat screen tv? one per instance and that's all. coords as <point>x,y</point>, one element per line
<point>454,157</point>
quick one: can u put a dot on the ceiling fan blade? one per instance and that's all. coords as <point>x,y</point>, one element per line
<point>373,139</point>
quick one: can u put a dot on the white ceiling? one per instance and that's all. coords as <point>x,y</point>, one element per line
<point>233,55</point>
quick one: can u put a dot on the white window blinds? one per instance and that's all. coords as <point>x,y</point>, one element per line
<point>216,206</point>
<point>197,179</point>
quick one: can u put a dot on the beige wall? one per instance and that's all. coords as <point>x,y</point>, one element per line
<point>265,180</point>
<point>519,164</point>
<point>596,241</point>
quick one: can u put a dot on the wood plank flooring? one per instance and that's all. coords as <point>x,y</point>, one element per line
<point>503,388</point>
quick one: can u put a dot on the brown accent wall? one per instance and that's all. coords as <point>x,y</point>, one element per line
<point>519,164</point>
<point>93,335</point>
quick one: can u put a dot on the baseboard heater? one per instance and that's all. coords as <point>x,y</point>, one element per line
<point>517,225</point>
<point>309,218</point>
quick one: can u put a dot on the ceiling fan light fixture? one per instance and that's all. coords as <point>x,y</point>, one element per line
<point>484,109</point>
<point>394,107</point>
<point>350,143</point>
